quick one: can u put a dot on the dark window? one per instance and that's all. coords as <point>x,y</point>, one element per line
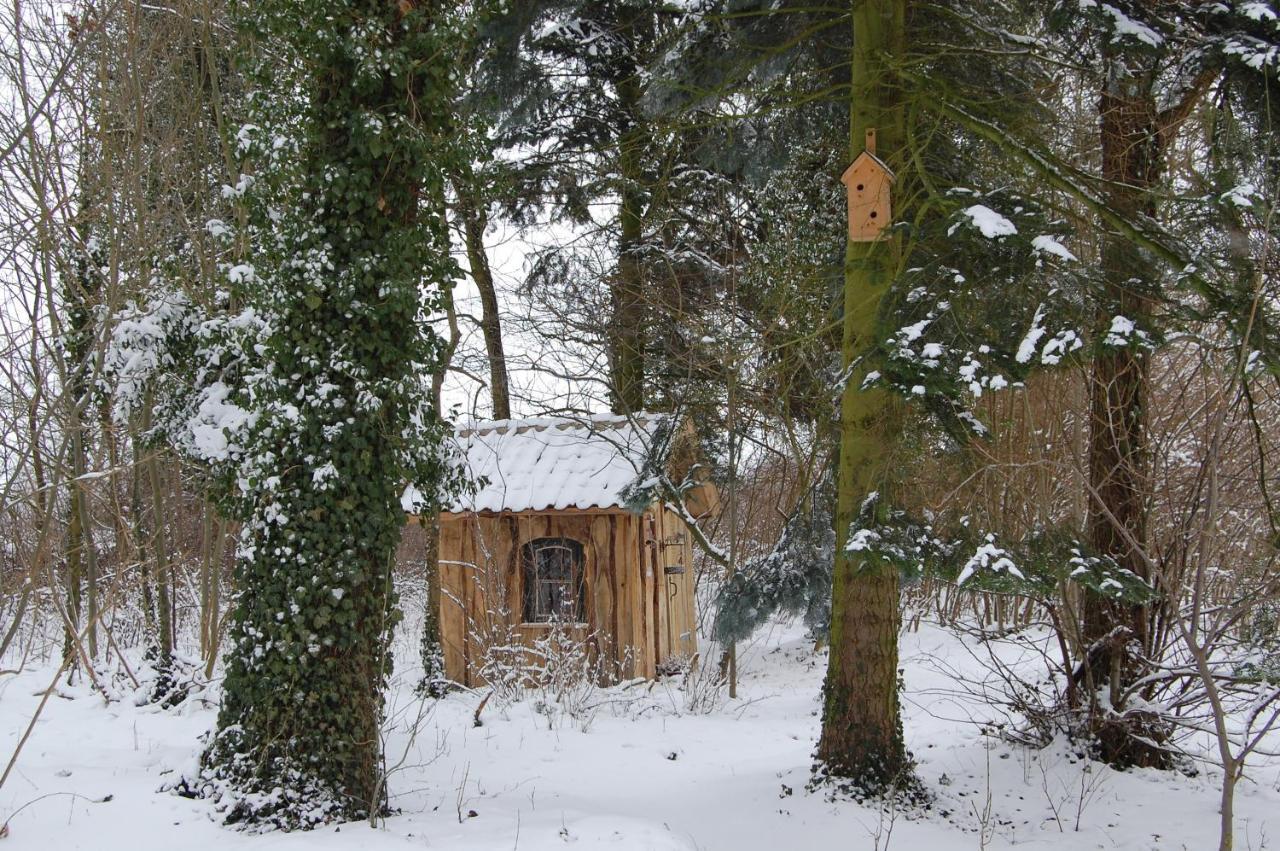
<point>554,589</point>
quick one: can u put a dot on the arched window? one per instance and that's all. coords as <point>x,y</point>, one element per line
<point>554,588</point>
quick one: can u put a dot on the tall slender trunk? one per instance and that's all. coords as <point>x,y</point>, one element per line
<point>300,728</point>
<point>861,741</point>
<point>1134,133</point>
<point>208,617</point>
<point>435,681</point>
<point>160,547</point>
<point>474,221</point>
<point>626,325</point>
<point>139,534</point>
<point>73,572</point>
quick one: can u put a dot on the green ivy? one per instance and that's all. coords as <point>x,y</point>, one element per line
<point>349,138</point>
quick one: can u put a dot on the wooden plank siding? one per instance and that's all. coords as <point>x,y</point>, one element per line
<point>636,612</point>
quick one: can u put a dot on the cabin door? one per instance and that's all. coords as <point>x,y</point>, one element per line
<point>675,580</point>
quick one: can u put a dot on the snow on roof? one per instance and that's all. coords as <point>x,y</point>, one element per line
<point>555,462</point>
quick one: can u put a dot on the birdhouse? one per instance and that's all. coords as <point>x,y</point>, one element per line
<point>868,181</point>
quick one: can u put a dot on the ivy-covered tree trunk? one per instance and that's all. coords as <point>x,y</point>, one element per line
<point>861,743</point>
<point>342,420</point>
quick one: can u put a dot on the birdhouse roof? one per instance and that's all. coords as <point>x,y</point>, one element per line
<point>863,159</point>
<point>580,462</point>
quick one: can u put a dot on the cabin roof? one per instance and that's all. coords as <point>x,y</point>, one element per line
<point>573,462</point>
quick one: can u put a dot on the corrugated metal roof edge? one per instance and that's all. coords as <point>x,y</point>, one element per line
<point>595,422</point>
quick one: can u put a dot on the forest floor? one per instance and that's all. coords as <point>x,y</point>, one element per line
<point>643,774</point>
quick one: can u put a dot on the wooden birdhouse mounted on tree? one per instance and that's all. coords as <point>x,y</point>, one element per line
<point>868,182</point>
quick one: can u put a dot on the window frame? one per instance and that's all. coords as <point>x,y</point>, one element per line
<point>532,582</point>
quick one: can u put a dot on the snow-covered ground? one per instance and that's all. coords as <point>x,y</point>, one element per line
<point>644,774</point>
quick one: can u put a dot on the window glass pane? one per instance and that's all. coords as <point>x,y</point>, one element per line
<point>553,580</point>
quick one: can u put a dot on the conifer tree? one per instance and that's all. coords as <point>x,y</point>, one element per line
<point>861,724</point>
<point>571,87</point>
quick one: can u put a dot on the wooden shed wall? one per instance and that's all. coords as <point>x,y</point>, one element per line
<point>636,611</point>
<point>678,620</point>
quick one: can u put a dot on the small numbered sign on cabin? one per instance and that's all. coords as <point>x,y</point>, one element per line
<point>868,181</point>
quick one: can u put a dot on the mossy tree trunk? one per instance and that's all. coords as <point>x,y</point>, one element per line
<point>861,744</point>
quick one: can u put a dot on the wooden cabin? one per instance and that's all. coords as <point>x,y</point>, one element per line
<point>546,543</point>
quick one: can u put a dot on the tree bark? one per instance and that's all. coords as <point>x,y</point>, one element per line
<point>434,682</point>
<point>861,741</point>
<point>1134,134</point>
<point>161,547</point>
<point>627,322</point>
<point>474,222</point>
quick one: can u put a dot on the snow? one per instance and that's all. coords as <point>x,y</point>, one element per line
<point>644,776</point>
<point>1048,245</point>
<point>913,332</point>
<point>1123,25</point>
<point>1258,11</point>
<point>1244,195</point>
<point>990,557</point>
<point>1121,330</point>
<point>1027,348</point>
<point>554,462</point>
<point>1061,344</point>
<point>216,424</point>
<point>989,222</point>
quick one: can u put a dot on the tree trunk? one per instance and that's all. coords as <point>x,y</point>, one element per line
<point>861,742</point>
<point>626,324</point>
<point>1116,634</point>
<point>160,547</point>
<point>435,682</point>
<point>73,574</point>
<point>342,425</point>
<point>208,616</point>
<point>474,221</point>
